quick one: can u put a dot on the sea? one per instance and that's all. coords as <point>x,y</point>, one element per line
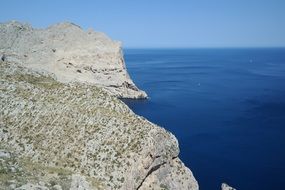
<point>225,106</point>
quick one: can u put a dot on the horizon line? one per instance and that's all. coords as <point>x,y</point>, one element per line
<point>210,47</point>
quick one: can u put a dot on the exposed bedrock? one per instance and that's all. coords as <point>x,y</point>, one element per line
<point>71,54</point>
<point>77,135</point>
<point>61,123</point>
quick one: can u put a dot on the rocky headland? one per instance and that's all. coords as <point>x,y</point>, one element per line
<point>62,125</point>
<point>71,54</point>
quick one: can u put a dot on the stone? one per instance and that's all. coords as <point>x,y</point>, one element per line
<point>162,177</point>
<point>54,48</point>
<point>13,169</point>
<point>69,128</point>
<point>3,57</point>
<point>85,135</point>
<point>4,154</point>
<point>41,183</point>
<point>225,186</point>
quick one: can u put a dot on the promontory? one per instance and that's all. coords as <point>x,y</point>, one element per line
<point>62,124</point>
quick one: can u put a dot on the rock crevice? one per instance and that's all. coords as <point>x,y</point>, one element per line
<point>153,169</point>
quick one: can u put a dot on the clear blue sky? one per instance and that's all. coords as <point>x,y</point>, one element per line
<point>163,23</point>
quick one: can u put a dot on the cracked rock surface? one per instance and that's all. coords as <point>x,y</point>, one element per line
<point>56,135</point>
<point>71,54</point>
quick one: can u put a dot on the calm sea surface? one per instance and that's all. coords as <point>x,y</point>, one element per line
<point>225,106</point>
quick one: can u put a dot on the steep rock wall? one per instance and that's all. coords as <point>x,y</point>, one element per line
<point>71,54</point>
<point>60,129</point>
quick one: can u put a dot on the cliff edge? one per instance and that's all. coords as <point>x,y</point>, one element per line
<point>75,135</point>
<point>57,132</point>
<point>71,54</point>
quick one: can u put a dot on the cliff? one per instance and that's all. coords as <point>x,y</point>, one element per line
<point>71,54</point>
<point>61,132</point>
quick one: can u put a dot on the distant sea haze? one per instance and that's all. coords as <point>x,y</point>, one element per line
<point>225,106</point>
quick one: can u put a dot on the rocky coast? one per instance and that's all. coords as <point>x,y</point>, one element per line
<point>62,125</point>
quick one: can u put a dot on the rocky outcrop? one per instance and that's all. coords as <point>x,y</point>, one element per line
<point>225,186</point>
<point>71,54</point>
<point>57,135</point>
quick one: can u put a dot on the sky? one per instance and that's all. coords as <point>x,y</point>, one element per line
<point>163,23</point>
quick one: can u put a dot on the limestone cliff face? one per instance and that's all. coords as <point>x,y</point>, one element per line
<point>61,127</point>
<point>77,136</point>
<point>71,54</point>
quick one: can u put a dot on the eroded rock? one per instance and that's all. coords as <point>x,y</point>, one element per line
<point>227,187</point>
<point>78,135</point>
<point>65,49</point>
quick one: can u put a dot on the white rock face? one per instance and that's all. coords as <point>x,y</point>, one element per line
<point>70,133</point>
<point>163,177</point>
<point>71,54</point>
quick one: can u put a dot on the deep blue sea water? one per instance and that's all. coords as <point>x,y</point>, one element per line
<point>225,106</point>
